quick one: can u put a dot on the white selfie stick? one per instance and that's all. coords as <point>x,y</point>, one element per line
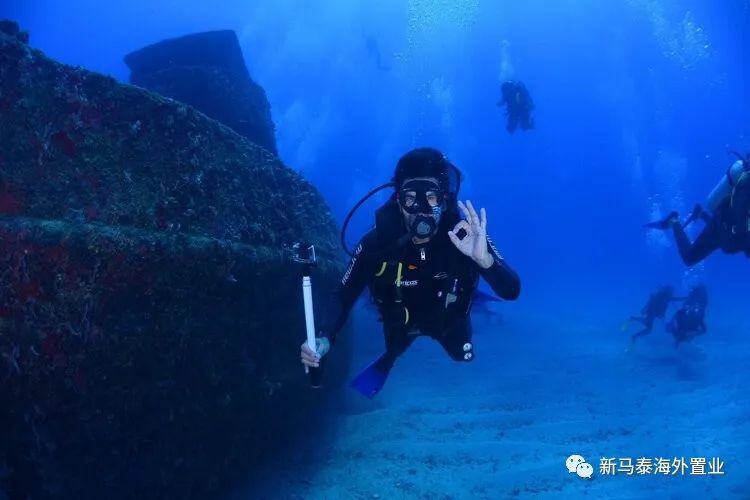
<point>305,254</point>
<point>309,315</point>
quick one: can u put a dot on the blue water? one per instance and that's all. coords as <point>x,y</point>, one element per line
<point>638,103</point>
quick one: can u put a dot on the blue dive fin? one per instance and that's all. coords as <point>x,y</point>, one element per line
<point>369,381</point>
<point>663,224</point>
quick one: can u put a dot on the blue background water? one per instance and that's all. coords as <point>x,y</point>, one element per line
<point>638,103</point>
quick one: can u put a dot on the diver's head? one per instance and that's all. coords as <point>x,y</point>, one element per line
<point>422,187</point>
<point>421,202</point>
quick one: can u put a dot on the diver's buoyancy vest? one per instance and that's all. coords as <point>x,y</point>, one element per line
<point>693,310</point>
<point>448,291</point>
<point>443,295</point>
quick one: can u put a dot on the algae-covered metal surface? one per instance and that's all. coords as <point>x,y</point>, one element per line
<point>150,315</point>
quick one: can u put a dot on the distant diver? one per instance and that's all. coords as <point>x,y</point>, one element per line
<point>656,307</point>
<point>422,263</point>
<point>690,320</point>
<point>727,218</point>
<point>374,54</point>
<point>519,106</point>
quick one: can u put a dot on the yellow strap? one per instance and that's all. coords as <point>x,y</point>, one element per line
<point>382,269</point>
<point>398,274</point>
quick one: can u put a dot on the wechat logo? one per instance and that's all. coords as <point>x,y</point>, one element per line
<point>578,464</point>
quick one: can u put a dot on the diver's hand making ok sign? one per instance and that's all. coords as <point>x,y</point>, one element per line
<point>474,244</point>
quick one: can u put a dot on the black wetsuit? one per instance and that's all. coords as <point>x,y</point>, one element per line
<point>721,232</point>
<point>728,228</point>
<point>656,307</point>
<point>431,276</point>
<point>689,320</point>
<point>519,106</point>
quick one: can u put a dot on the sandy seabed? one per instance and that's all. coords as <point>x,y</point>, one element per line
<point>503,426</point>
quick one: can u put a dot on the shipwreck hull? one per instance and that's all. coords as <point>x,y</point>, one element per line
<point>150,312</point>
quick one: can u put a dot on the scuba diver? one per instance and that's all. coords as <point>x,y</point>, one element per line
<point>422,264</point>
<point>519,105</point>
<point>374,54</point>
<point>727,218</point>
<point>656,307</point>
<point>689,321</point>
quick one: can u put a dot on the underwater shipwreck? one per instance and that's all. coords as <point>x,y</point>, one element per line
<point>150,313</point>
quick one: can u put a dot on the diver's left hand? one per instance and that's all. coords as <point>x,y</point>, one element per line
<point>474,244</point>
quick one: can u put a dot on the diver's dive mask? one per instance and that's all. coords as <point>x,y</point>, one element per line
<point>420,197</point>
<point>425,200</point>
